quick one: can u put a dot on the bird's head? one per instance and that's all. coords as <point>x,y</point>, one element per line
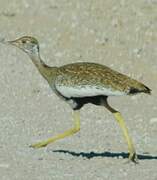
<point>28,44</point>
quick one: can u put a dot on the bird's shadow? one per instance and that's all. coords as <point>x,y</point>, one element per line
<point>108,154</point>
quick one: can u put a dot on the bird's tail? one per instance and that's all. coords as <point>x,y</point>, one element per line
<point>140,89</point>
<point>147,90</point>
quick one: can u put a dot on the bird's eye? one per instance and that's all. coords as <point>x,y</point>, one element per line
<point>23,41</point>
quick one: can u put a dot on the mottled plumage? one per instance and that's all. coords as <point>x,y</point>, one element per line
<point>97,76</point>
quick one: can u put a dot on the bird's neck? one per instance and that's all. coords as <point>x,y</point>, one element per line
<point>47,72</point>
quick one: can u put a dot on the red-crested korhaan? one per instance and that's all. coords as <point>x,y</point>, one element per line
<point>82,83</point>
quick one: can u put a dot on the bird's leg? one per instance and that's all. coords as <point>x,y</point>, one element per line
<point>75,129</point>
<point>121,122</point>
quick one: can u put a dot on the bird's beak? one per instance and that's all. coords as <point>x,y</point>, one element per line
<point>14,43</point>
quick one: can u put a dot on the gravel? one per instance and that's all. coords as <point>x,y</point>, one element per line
<point>120,34</point>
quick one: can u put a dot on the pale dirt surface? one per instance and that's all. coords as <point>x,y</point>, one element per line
<point>121,34</point>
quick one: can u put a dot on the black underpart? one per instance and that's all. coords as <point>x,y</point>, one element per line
<point>80,102</point>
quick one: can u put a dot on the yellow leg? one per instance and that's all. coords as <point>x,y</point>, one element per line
<point>132,152</point>
<point>76,128</point>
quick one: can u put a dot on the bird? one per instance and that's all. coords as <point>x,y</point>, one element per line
<point>81,83</point>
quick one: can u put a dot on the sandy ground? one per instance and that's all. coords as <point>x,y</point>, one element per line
<point>121,34</point>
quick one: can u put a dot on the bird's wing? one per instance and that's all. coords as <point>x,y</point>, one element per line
<point>90,79</point>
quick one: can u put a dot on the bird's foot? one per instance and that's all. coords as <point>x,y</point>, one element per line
<point>38,145</point>
<point>133,158</point>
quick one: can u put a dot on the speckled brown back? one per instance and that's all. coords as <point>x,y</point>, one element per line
<point>92,74</point>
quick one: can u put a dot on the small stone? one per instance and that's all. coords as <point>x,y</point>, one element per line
<point>133,97</point>
<point>120,157</point>
<point>153,120</point>
<point>4,165</point>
